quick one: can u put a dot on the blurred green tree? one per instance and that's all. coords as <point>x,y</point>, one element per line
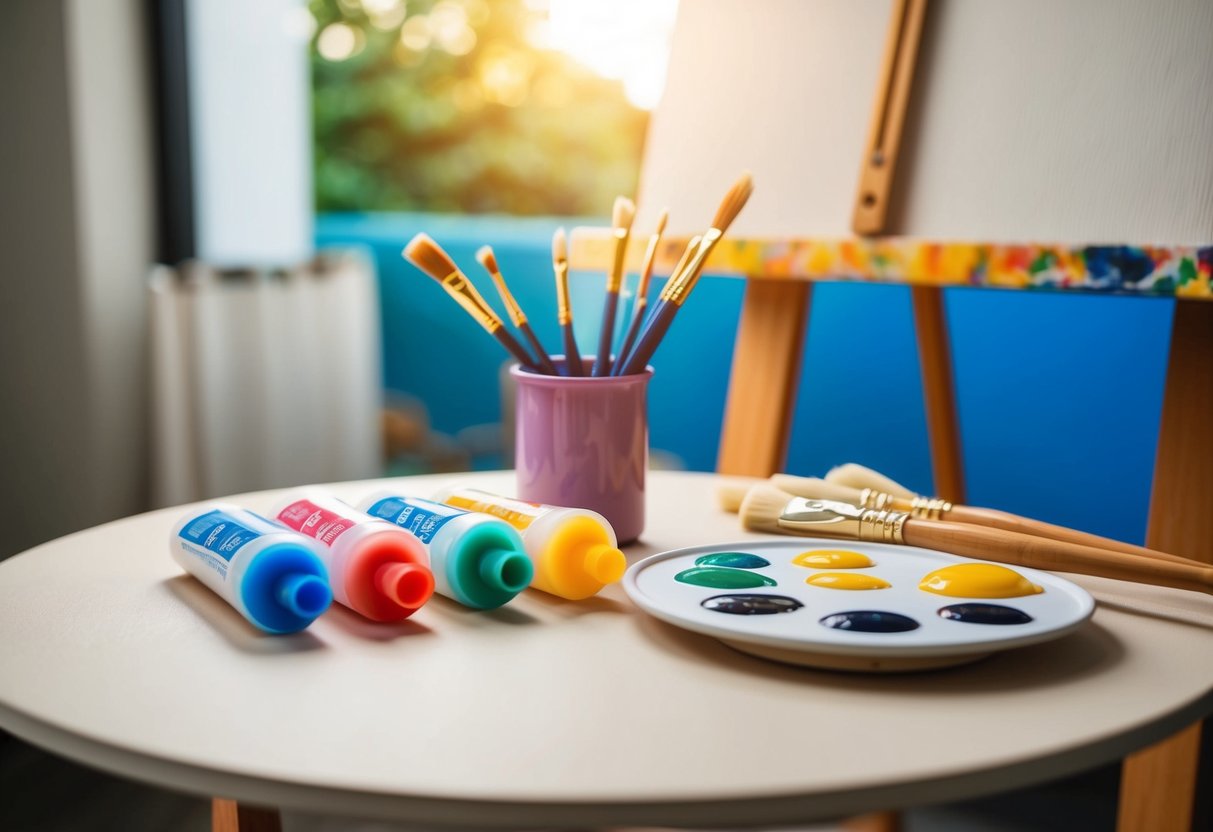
<point>447,106</point>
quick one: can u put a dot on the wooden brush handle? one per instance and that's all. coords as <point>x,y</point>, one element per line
<point>1055,555</point>
<point>1006,521</point>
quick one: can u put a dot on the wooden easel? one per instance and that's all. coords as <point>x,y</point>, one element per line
<point>1158,785</point>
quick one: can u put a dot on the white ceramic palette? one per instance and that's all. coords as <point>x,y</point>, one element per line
<point>796,633</point>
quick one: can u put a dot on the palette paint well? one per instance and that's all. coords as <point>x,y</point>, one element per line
<point>790,620</point>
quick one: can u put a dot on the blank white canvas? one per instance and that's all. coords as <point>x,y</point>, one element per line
<point>1050,120</point>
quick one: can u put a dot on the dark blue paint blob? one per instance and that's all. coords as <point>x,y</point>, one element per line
<point>751,604</point>
<point>870,621</point>
<point>737,560</point>
<point>984,614</point>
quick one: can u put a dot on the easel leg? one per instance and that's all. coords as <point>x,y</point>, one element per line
<point>230,816</point>
<point>939,397</point>
<point>1158,784</point>
<point>762,385</point>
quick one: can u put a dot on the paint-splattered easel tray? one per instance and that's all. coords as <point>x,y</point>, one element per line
<point>782,600</point>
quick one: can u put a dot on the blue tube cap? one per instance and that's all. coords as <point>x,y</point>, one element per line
<point>285,588</point>
<point>307,596</point>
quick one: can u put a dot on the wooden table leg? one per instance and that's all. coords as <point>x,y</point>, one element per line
<point>939,397</point>
<point>230,816</point>
<point>874,822</point>
<point>763,382</point>
<point>1158,784</point>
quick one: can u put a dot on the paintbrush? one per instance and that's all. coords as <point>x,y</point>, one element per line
<point>858,476</point>
<point>731,491</point>
<point>682,283</point>
<point>564,309</point>
<point>642,293</point>
<point>621,227</point>
<point>426,255</point>
<point>936,509</point>
<point>486,258</point>
<point>768,509</point>
<point>623,363</point>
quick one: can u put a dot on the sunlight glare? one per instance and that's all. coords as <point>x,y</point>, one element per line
<point>625,40</point>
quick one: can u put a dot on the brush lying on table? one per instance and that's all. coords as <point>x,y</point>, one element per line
<point>933,508</point>
<point>899,498</point>
<point>859,476</point>
<point>768,509</point>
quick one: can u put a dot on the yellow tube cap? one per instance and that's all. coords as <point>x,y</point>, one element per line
<point>605,563</point>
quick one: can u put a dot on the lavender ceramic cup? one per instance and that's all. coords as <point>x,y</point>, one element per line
<point>584,443</point>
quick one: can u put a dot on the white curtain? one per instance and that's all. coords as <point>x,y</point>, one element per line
<point>262,379</point>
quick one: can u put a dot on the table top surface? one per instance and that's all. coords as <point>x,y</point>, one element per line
<point>551,712</point>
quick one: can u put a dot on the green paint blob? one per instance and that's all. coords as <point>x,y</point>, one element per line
<point>736,560</point>
<point>718,578</point>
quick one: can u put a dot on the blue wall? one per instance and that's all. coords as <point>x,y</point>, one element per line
<point>1059,395</point>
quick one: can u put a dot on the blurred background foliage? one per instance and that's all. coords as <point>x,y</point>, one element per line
<point>455,106</point>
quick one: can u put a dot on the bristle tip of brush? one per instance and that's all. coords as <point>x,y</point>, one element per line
<point>761,508</point>
<point>486,258</point>
<point>858,476</point>
<point>623,212</point>
<point>734,201</point>
<point>428,256</point>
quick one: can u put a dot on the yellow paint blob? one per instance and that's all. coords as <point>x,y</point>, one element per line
<point>978,580</point>
<point>844,580</point>
<point>832,559</point>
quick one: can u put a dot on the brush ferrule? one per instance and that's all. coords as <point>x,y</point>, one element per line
<point>930,508</point>
<point>615,278</point>
<point>830,518</point>
<point>879,500</point>
<point>564,310</point>
<point>466,295</point>
<point>690,274</point>
<point>511,305</point>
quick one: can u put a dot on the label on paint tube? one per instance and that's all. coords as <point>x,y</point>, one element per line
<point>218,534</point>
<point>421,517</point>
<point>517,513</point>
<point>310,519</point>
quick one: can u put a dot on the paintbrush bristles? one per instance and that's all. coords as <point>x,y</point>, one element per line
<point>734,201</point>
<point>732,491</point>
<point>485,257</point>
<point>661,221</point>
<point>560,247</point>
<point>816,489</point>
<point>623,213</point>
<point>428,256</point>
<point>761,508</point>
<point>855,475</point>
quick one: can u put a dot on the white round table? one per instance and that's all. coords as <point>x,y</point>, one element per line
<point>546,713</point>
